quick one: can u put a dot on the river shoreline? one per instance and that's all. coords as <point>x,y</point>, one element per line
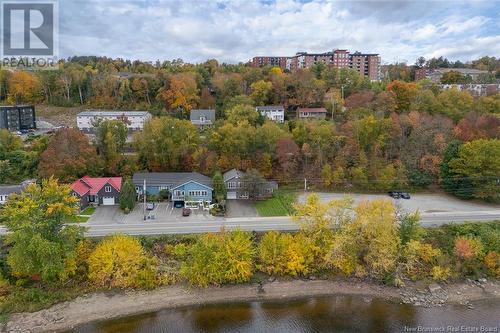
<point>109,305</point>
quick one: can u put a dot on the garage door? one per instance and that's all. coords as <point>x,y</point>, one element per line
<point>108,201</point>
<point>231,195</point>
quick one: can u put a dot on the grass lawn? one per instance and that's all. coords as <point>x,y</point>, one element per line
<point>281,204</point>
<point>84,215</point>
<point>88,211</point>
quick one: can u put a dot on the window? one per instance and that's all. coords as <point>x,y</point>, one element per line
<point>231,185</point>
<point>107,189</point>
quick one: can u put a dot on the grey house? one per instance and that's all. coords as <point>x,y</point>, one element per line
<point>236,187</point>
<point>92,191</point>
<point>7,190</point>
<point>202,118</point>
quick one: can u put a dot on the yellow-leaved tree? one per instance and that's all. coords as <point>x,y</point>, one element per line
<point>369,244</point>
<point>121,262</point>
<point>218,258</point>
<point>43,247</point>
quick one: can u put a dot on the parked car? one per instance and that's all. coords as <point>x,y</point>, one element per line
<point>178,204</point>
<point>405,195</point>
<point>150,206</point>
<point>186,211</point>
<point>394,194</point>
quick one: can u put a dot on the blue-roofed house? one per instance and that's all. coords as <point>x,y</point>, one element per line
<point>192,189</point>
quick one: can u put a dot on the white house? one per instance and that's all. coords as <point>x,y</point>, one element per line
<point>274,112</point>
<point>134,120</point>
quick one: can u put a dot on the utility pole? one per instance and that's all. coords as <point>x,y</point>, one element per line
<point>144,199</point>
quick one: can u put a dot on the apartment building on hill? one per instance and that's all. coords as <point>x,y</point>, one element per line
<point>366,64</point>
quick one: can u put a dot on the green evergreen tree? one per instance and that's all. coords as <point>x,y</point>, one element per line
<point>451,182</point>
<point>127,196</point>
<point>219,189</point>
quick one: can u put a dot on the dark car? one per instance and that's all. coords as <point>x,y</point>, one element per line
<point>178,204</point>
<point>405,195</point>
<point>186,211</point>
<point>394,194</point>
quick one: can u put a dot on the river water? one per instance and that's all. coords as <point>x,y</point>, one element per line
<point>318,314</point>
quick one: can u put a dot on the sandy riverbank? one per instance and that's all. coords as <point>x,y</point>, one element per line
<point>102,306</point>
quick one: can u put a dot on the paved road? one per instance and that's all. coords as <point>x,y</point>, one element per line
<point>262,224</point>
<point>182,226</point>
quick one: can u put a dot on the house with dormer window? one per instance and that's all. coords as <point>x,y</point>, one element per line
<point>98,191</point>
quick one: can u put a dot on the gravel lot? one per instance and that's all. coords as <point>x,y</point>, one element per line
<point>426,203</point>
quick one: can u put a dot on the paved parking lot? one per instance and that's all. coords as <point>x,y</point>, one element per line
<point>166,212</point>
<point>425,203</point>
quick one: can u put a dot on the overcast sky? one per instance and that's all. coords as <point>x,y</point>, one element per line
<point>233,31</point>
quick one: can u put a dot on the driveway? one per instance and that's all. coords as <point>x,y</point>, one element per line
<point>240,208</point>
<point>425,203</point>
<point>107,215</point>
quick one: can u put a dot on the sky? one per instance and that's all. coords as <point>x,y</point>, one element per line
<point>234,31</point>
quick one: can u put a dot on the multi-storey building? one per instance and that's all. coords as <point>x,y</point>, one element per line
<point>17,118</point>
<point>269,61</point>
<point>134,120</point>
<point>366,64</point>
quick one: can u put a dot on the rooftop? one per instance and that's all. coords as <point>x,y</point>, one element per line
<point>17,188</point>
<point>461,70</point>
<point>208,114</point>
<point>270,107</point>
<point>93,185</point>
<point>105,113</point>
<point>232,173</point>
<point>312,110</point>
<point>173,178</point>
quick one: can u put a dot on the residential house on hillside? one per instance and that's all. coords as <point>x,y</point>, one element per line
<point>475,90</point>
<point>274,112</point>
<point>436,74</point>
<point>191,189</point>
<point>236,187</point>
<point>97,191</point>
<point>311,113</point>
<point>134,120</point>
<point>7,190</point>
<point>202,118</point>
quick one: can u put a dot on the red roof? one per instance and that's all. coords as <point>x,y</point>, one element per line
<point>92,185</point>
<point>313,110</point>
